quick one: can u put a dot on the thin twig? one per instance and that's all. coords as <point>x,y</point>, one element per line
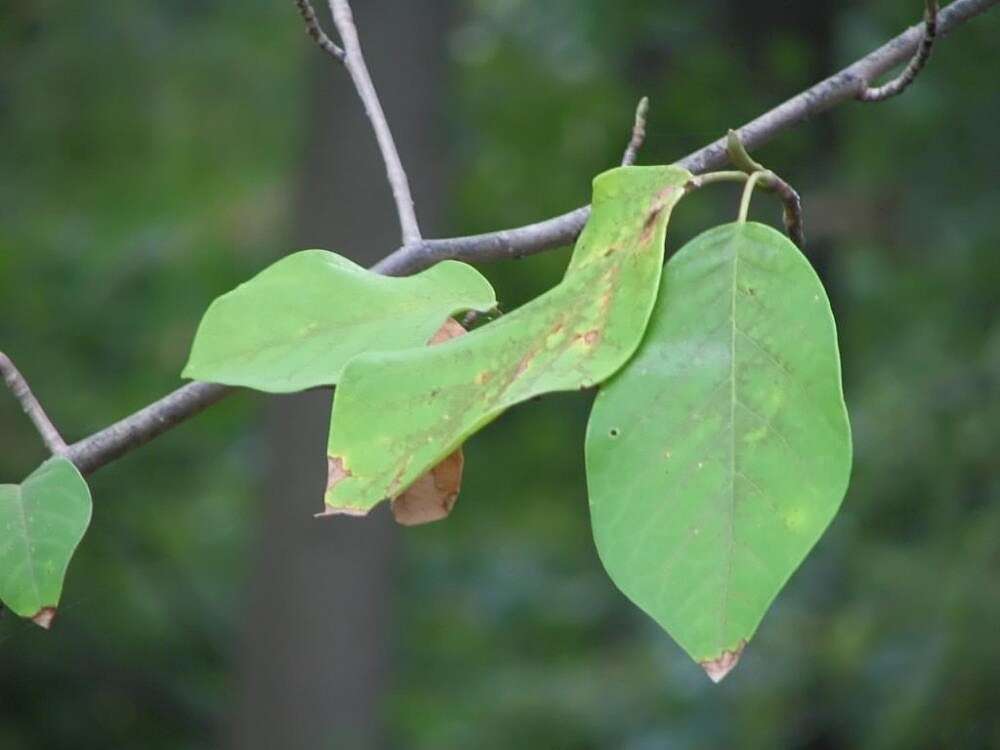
<point>900,83</point>
<point>101,448</point>
<point>315,30</point>
<point>358,71</point>
<point>638,133</point>
<point>19,387</point>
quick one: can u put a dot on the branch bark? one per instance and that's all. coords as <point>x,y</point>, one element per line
<point>103,447</point>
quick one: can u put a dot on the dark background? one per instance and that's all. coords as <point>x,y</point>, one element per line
<point>155,153</point>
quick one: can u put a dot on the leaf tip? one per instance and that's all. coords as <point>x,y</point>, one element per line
<point>44,617</point>
<point>718,668</point>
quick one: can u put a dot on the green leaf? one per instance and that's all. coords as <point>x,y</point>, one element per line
<point>719,455</point>
<point>42,520</point>
<point>396,414</point>
<point>298,322</point>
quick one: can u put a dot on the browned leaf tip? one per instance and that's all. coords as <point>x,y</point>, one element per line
<point>335,473</point>
<point>717,669</point>
<point>433,495</point>
<point>44,617</point>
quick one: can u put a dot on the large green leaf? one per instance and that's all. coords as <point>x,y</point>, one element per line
<point>719,455</point>
<point>297,323</point>
<point>42,520</point>
<point>396,414</point>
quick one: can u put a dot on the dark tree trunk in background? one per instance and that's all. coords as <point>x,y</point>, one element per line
<point>318,631</point>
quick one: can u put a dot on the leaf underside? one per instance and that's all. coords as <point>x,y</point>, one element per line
<point>42,520</point>
<point>427,401</point>
<point>298,322</point>
<point>719,455</point>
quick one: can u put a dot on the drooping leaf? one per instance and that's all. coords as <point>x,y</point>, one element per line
<point>432,496</point>
<point>398,413</point>
<point>297,323</point>
<point>42,520</point>
<point>719,455</point>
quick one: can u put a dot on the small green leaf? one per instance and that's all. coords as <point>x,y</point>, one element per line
<point>42,520</point>
<point>719,455</point>
<point>396,414</point>
<point>297,323</point>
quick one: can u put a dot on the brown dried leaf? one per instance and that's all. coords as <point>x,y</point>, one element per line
<point>433,495</point>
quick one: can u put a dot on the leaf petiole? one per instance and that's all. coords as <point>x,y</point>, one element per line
<point>748,193</point>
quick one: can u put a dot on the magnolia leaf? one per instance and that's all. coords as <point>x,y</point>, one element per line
<point>719,455</point>
<point>298,322</point>
<point>42,520</point>
<point>396,414</point>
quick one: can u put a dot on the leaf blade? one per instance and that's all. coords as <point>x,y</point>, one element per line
<point>720,454</point>
<point>42,521</point>
<point>299,321</point>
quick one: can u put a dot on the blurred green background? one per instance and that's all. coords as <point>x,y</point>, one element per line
<point>155,153</point>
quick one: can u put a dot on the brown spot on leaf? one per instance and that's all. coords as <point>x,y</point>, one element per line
<point>484,377</point>
<point>523,364</point>
<point>650,224</point>
<point>433,495</point>
<point>336,472</point>
<point>717,669</point>
<point>590,337</point>
<point>44,617</point>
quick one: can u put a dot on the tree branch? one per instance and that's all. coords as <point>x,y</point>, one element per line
<point>99,449</point>
<point>358,70</point>
<point>127,434</point>
<point>19,387</point>
<point>561,230</point>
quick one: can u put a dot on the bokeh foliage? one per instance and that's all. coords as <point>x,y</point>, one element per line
<point>149,150</point>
